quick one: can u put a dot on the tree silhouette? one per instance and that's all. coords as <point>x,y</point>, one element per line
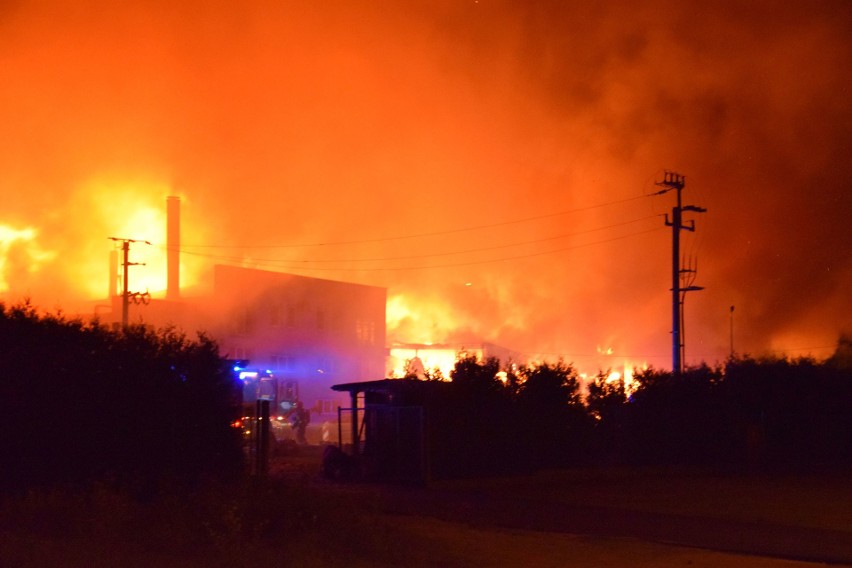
<point>555,423</point>
<point>607,405</point>
<point>477,420</point>
<point>678,419</point>
<point>796,413</point>
<point>79,403</point>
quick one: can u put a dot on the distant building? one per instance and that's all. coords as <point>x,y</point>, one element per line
<point>307,331</point>
<point>310,333</point>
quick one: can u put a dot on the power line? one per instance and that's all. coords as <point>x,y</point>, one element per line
<point>446,253</point>
<point>431,233</point>
<point>242,260</point>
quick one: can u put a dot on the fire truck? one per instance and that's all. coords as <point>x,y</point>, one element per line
<point>263,392</point>
<point>262,385</point>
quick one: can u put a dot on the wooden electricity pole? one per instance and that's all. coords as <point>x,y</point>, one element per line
<point>126,264</point>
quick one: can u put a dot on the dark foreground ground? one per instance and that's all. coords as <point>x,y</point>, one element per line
<point>505,509</point>
<point>801,517</point>
<point>602,518</point>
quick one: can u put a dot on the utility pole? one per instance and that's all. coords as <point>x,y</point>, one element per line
<point>674,181</point>
<point>145,297</point>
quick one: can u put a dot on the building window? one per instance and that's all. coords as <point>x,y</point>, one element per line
<point>291,316</point>
<point>365,332</point>
<point>244,322</point>
<point>282,362</point>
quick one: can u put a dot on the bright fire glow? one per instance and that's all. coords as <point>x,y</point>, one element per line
<point>623,371</point>
<point>404,359</point>
<point>398,311</point>
<point>135,211</point>
<point>31,253</point>
<point>423,327</point>
<point>514,198</point>
<point>424,322</point>
<point>130,210</point>
<point>626,375</point>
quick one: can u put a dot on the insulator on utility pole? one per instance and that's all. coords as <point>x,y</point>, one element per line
<point>675,181</point>
<point>126,294</point>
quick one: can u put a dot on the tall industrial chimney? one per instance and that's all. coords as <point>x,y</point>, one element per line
<point>173,247</point>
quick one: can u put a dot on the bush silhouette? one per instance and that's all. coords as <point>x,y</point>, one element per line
<point>768,413</point>
<point>139,408</point>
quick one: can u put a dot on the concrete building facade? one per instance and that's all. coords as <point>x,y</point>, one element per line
<point>312,331</point>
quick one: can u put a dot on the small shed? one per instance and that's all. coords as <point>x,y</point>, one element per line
<point>389,427</point>
<point>411,430</point>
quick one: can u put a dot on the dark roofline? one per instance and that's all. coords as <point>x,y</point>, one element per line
<point>276,274</point>
<point>380,385</point>
<point>383,385</point>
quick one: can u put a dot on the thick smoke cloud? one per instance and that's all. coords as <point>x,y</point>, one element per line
<point>391,126</point>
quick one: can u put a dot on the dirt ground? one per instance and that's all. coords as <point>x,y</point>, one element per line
<point>618,517</point>
<point>597,518</point>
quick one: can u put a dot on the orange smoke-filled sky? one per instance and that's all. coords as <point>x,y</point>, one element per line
<point>490,162</point>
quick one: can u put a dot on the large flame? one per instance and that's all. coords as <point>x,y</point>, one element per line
<point>135,210</point>
<point>20,247</point>
<point>400,129</point>
<point>413,320</point>
<point>65,263</point>
<point>420,327</point>
<point>437,361</point>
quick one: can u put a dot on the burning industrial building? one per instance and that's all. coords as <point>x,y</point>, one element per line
<point>309,333</point>
<point>490,164</point>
